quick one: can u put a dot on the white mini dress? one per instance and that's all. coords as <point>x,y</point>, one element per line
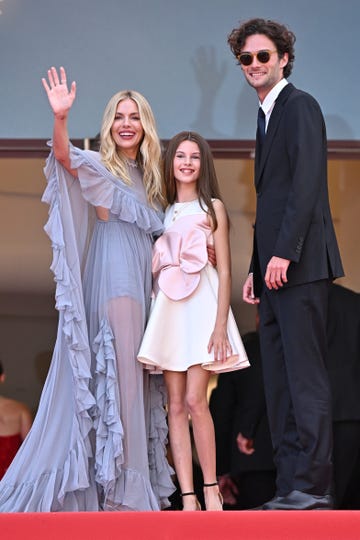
<point>184,307</point>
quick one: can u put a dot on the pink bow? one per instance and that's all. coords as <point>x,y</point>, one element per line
<point>178,258</point>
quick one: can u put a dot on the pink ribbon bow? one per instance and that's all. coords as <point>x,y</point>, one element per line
<point>178,259</point>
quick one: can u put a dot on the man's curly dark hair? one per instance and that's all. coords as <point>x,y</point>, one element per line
<point>279,34</point>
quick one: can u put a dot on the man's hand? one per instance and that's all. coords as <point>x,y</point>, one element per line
<point>248,291</point>
<point>228,489</point>
<point>246,446</point>
<point>276,272</point>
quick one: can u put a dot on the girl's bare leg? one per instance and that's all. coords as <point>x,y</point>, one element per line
<point>179,435</point>
<point>204,434</point>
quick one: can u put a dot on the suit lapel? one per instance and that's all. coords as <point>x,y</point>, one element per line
<point>260,159</point>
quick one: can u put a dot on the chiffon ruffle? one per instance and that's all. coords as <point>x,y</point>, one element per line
<point>61,466</point>
<point>51,470</point>
<point>117,197</point>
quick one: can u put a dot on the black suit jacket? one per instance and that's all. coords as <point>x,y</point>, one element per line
<point>237,404</point>
<point>293,219</point>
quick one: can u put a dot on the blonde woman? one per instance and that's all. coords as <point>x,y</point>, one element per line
<point>101,421</point>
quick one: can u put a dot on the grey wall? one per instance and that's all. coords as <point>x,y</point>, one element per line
<point>174,52</point>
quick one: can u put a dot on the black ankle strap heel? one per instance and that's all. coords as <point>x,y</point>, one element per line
<point>198,506</point>
<point>221,500</point>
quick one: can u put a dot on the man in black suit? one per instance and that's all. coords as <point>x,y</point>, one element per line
<point>343,365</point>
<point>295,257</point>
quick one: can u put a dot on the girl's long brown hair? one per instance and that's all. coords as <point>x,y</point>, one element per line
<point>207,185</point>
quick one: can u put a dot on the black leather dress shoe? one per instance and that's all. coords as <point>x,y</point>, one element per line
<point>297,500</point>
<point>272,504</point>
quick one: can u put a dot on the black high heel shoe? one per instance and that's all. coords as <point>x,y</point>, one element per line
<point>221,500</point>
<point>198,506</point>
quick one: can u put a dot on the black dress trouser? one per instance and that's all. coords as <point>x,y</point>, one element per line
<point>293,348</point>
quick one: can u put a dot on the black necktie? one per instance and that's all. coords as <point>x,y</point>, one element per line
<point>261,127</point>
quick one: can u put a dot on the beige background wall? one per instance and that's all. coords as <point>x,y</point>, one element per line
<point>27,315</point>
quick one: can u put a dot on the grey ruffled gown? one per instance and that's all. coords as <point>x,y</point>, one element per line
<point>99,438</point>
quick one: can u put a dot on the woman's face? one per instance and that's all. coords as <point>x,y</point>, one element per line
<point>127,130</point>
<point>187,162</point>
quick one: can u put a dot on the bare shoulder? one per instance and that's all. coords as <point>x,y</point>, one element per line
<point>218,204</point>
<point>15,418</point>
<point>12,405</point>
<point>220,211</point>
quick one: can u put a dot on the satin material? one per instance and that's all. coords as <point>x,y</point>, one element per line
<point>179,256</point>
<point>185,304</point>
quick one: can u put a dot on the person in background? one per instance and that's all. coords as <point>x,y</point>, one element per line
<point>101,420</point>
<point>192,310</point>
<point>343,365</point>
<point>244,456</point>
<point>295,257</point>
<point>15,424</point>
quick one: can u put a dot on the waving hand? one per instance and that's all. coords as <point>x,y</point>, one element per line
<point>60,98</point>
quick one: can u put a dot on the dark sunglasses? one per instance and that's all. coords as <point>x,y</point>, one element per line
<point>246,58</point>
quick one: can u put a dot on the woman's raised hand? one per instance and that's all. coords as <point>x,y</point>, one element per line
<point>60,98</point>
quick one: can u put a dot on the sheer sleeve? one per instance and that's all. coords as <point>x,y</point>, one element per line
<point>101,188</point>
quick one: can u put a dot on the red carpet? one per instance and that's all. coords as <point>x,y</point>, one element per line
<point>245,525</point>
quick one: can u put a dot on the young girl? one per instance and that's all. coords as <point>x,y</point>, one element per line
<point>191,331</point>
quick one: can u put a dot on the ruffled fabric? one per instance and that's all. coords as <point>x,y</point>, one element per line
<point>117,196</point>
<point>160,470</point>
<point>57,468</point>
<point>119,484</point>
<point>122,485</point>
<point>29,484</point>
<point>69,301</point>
<point>109,431</point>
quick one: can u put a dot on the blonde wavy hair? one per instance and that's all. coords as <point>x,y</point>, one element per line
<point>149,155</point>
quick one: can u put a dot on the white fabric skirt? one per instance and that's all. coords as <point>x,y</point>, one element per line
<point>178,331</point>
